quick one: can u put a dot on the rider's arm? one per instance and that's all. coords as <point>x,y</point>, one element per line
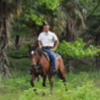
<point>56,45</point>
<point>39,44</point>
<point>39,41</point>
<point>56,42</point>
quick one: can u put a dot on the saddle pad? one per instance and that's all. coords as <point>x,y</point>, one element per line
<point>48,57</point>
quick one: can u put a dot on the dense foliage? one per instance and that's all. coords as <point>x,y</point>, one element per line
<point>84,92</point>
<point>77,25</point>
<point>81,86</point>
<point>77,49</point>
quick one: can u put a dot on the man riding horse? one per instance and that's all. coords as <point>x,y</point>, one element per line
<point>47,40</point>
<point>40,62</point>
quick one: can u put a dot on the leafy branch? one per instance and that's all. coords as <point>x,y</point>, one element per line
<point>76,49</point>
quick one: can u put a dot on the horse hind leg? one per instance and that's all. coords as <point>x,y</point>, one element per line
<point>62,76</point>
<point>44,79</point>
<point>51,83</point>
<point>38,78</point>
<point>61,69</point>
<point>62,72</point>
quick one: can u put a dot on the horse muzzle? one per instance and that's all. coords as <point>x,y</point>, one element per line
<point>33,62</point>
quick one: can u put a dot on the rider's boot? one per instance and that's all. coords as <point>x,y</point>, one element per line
<point>54,70</point>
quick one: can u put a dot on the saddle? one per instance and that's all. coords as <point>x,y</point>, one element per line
<point>46,54</point>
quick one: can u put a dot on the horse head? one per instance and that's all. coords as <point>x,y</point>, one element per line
<point>35,54</point>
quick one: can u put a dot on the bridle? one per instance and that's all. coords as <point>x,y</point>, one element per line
<point>36,65</point>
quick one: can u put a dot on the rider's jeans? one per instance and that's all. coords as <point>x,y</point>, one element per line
<point>52,56</point>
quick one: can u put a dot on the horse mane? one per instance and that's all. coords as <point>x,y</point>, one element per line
<point>40,51</point>
<point>31,48</point>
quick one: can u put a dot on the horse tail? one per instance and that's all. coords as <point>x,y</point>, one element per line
<point>61,69</point>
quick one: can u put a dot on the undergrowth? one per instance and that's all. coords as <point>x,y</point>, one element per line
<point>81,86</point>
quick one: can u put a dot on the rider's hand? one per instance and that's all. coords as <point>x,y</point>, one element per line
<point>40,46</point>
<point>53,49</point>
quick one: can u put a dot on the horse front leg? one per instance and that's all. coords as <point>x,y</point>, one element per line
<point>51,83</point>
<point>31,82</point>
<point>32,79</point>
<point>44,80</point>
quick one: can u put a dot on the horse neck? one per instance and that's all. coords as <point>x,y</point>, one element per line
<point>43,60</point>
<point>38,59</point>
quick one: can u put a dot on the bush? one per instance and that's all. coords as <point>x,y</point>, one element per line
<point>76,49</point>
<point>82,86</point>
<point>86,91</point>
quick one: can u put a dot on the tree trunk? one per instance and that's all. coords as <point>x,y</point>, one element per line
<point>69,67</point>
<point>70,36</point>
<point>17,38</point>
<point>98,44</point>
<point>3,38</point>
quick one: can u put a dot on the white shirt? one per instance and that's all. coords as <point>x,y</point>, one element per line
<point>47,39</point>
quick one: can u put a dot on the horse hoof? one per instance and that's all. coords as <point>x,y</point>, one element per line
<point>35,90</point>
<point>44,85</point>
<point>43,94</point>
<point>66,89</point>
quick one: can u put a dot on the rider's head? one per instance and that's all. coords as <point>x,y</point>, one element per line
<point>46,27</point>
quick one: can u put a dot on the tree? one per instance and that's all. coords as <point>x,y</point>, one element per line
<point>75,21</point>
<point>93,29</point>
<point>5,11</point>
<point>32,13</point>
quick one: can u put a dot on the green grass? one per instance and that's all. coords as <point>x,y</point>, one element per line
<point>81,86</point>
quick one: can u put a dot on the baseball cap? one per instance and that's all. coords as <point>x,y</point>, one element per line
<point>46,23</point>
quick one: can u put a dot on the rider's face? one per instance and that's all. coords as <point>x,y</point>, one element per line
<point>46,28</point>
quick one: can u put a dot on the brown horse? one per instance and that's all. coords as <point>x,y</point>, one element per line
<point>41,66</point>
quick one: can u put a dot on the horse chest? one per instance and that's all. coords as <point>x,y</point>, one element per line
<point>38,71</point>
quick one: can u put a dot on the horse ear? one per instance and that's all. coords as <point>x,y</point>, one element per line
<point>29,47</point>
